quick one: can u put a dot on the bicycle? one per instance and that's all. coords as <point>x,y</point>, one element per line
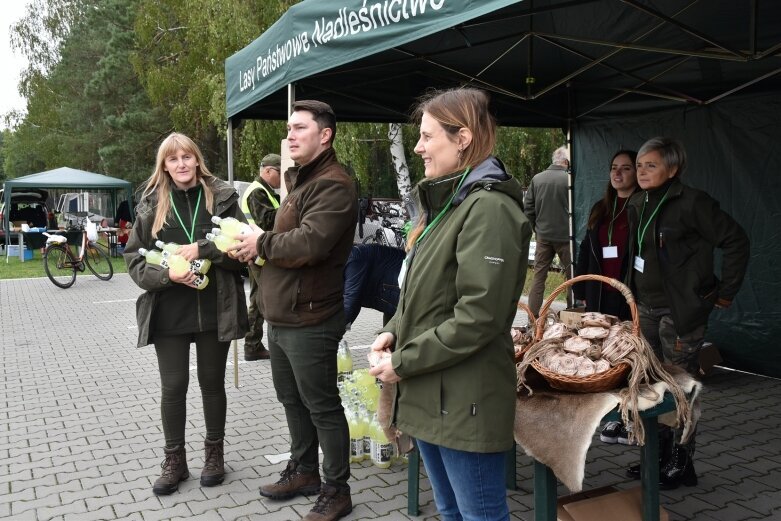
<point>390,231</point>
<point>61,264</point>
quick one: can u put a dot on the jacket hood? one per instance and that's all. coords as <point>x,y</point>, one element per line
<point>491,174</point>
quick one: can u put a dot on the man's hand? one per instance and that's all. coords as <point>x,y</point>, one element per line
<point>247,249</point>
<point>383,342</point>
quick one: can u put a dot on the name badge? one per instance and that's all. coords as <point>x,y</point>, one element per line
<point>402,272</point>
<point>639,263</point>
<point>610,252</point>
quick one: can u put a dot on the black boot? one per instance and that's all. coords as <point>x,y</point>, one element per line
<point>679,469</point>
<point>666,436</point>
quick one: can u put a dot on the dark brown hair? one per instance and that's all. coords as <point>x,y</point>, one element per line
<point>605,205</point>
<point>322,113</point>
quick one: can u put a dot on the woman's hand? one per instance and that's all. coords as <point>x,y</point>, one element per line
<point>188,251</point>
<point>187,279</point>
<point>385,372</point>
<point>383,342</point>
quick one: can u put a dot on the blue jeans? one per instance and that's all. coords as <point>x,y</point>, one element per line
<point>468,486</point>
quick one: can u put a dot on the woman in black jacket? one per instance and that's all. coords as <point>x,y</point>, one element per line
<point>176,206</point>
<point>604,248</point>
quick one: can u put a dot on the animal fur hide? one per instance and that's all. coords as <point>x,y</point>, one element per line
<point>556,428</point>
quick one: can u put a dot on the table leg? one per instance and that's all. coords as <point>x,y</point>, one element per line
<point>413,483</point>
<point>545,496</point>
<point>21,246</point>
<point>509,468</point>
<point>649,473</point>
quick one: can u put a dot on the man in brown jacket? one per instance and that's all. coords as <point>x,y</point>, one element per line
<point>302,301</point>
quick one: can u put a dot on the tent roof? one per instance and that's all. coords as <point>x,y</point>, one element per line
<point>67,178</point>
<point>545,62</point>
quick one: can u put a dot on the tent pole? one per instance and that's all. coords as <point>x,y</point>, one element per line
<point>230,180</point>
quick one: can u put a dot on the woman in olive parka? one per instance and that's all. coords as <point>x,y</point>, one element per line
<point>452,352</point>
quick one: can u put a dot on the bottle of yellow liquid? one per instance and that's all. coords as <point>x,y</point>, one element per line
<point>153,257</point>
<point>381,447</point>
<point>232,227</point>
<point>344,360</point>
<point>223,242</point>
<point>180,266</point>
<point>356,434</point>
<point>198,266</point>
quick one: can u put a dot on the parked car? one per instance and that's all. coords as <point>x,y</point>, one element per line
<point>27,206</point>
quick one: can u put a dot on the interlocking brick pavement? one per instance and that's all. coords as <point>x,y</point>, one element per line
<point>80,435</point>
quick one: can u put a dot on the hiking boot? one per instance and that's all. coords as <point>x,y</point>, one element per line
<point>174,471</point>
<point>333,503</point>
<point>256,354</point>
<point>666,436</point>
<point>213,472</point>
<point>292,482</point>
<point>679,468</point>
<point>609,432</point>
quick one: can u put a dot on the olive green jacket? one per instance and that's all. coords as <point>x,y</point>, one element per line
<point>232,322</point>
<point>458,301</point>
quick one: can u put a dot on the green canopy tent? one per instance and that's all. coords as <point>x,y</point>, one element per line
<point>69,178</point>
<point>612,74</point>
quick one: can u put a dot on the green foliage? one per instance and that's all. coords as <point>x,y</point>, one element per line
<point>527,151</point>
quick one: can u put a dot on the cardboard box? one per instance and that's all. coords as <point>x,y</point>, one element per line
<point>709,357</point>
<point>605,504</point>
<point>13,251</point>
<point>570,317</point>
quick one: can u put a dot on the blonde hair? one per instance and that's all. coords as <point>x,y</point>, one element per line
<point>454,109</point>
<point>160,181</point>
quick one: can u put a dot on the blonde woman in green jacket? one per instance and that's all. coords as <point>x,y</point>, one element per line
<point>450,337</point>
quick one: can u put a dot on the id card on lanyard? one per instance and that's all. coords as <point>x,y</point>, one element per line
<point>639,262</point>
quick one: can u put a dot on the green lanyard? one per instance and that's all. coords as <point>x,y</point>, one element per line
<point>642,229</point>
<point>610,227</point>
<point>191,233</point>
<point>441,214</point>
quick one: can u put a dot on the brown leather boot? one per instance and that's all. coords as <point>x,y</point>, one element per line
<point>292,482</point>
<point>332,503</point>
<point>174,470</point>
<point>213,472</point>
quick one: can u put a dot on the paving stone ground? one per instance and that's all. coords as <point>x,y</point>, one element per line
<point>80,435</point>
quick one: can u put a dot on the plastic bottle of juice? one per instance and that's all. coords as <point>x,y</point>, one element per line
<point>153,257</point>
<point>356,435</point>
<point>231,226</point>
<point>344,360</point>
<point>223,242</point>
<point>198,266</point>
<point>365,421</point>
<point>381,447</point>
<point>180,266</point>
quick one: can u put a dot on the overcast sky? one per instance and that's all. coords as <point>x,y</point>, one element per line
<point>11,64</point>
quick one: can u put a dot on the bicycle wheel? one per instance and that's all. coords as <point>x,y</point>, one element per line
<point>58,266</point>
<point>98,262</point>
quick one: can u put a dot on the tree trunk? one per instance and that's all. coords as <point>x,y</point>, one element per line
<point>400,165</point>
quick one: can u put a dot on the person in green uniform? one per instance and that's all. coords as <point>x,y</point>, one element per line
<point>176,206</point>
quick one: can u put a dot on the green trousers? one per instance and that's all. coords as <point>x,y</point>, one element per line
<point>303,365</point>
<point>173,360</point>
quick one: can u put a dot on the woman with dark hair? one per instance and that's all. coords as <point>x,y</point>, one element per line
<point>675,229</point>
<point>603,250</point>
<point>460,284</point>
<point>176,206</point>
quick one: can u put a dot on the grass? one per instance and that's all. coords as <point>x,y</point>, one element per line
<point>554,280</point>
<point>16,269</point>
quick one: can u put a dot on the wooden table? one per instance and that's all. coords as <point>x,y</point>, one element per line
<point>545,496</point>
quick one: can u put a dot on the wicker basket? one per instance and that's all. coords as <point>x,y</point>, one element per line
<point>530,324</point>
<point>597,382</point>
